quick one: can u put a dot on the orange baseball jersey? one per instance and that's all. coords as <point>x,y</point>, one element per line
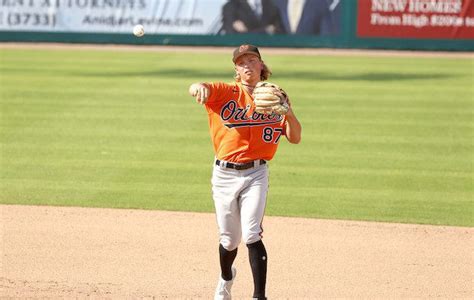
<point>240,134</point>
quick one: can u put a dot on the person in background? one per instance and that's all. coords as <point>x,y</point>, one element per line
<point>310,17</point>
<point>251,16</point>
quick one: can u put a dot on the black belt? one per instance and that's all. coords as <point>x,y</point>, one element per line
<point>239,167</point>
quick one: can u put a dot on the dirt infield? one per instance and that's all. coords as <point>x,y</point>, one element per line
<point>66,252</point>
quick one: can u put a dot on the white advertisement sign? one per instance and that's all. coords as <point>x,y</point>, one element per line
<point>112,16</point>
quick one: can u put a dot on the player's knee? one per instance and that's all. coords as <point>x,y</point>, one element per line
<point>229,244</point>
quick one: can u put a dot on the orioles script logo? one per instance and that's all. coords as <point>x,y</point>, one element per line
<point>235,116</point>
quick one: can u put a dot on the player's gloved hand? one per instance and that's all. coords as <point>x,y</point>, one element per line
<point>270,98</point>
<point>200,92</point>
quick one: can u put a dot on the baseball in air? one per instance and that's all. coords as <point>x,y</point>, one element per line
<point>138,30</point>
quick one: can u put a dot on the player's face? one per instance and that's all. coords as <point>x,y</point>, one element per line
<point>249,68</point>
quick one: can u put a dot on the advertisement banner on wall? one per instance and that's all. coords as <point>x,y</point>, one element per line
<point>190,17</point>
<point>111,16</point>
<point>420,19</point>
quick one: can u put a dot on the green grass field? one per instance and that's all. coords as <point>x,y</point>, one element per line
<point>384,139</point>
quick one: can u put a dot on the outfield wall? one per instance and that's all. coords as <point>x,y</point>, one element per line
<point>380,24</point>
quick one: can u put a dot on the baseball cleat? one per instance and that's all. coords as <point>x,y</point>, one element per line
<point>223,287</point>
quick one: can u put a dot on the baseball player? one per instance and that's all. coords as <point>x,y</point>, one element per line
<point>244,141</point>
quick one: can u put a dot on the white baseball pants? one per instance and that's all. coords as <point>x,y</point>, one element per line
<point>239,199</point>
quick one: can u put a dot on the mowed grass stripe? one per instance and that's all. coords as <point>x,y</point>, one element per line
<point>339,109</point>
<point>385,139</point>
<point>339,158</point>
<point>459,144</point>
<point>425,181</point>
<point>148,143</point>
<point>150,98</point>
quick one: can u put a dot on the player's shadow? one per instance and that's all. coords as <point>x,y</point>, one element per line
<point>164,73</point>
<point>376,76</point>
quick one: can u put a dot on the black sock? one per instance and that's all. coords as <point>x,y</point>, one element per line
<point>227,259</point>
<point>258,263</point>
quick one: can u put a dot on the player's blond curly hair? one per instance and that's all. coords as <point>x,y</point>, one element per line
<point>266,73</point>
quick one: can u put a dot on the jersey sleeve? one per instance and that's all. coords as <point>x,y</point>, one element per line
<point>219,92</point>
